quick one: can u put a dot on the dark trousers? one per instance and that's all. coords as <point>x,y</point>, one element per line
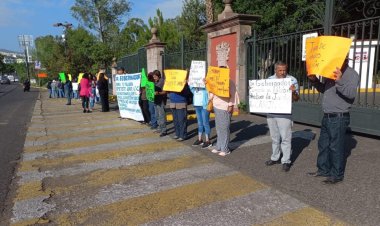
<point>144,105</point>
<point>332,157</point>
<point>180,122</point>
<point>85,102</point>
<point>104,100</point>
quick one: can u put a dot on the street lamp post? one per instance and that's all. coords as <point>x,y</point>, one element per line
<point>65,26</point>
<point>26,41</point>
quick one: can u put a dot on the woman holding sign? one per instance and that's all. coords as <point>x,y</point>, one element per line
<point>223,106</point>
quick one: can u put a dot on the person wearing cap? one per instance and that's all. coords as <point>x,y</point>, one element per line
<point>338,96</point>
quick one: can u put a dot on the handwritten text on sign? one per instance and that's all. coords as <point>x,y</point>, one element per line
<point>128,92</point>
<point>270,96</point>
<point>175,80</point>
<point>326,53</point>
<point>197,73</point>
<point>218,81</point>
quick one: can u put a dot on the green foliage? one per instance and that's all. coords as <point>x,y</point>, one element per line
<point>243,106</point>
<point>193,16</point>
<point>100,15</point>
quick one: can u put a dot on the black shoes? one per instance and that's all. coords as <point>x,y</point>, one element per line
<point>271,162</point>
<point>286,167</point>
<point>316,174</point>
<point>197,143</point>
<point>206,144</point>
<point>331,180</point>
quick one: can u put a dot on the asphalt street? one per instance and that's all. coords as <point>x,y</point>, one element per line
<point>15,112</point>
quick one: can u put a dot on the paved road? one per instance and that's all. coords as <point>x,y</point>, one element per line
<point>15,112</point>
<point>96,169</point>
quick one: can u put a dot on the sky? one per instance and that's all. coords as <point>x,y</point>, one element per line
<point>36,17</point>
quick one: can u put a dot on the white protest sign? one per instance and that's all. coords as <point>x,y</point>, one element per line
<point>128,92</point>
<point>304,37</point>
<point>197,73</point>
<point>270,96</point>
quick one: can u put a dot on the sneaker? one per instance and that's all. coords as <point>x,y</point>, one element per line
<point>180,139</point>
<point>224,153</point>
<point>206,144</point>
<point>215,151</point>
<point>89,111</point>
<point>197,143</point>
<point>271,162</point>
<point>175,137</point>
<point>286,167</point>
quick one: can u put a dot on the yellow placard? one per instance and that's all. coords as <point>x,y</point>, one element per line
<point>218,81</point>
<point>80,77</point>
<point>70,78</point>
<point>175,80</point>
<point>326,53</point>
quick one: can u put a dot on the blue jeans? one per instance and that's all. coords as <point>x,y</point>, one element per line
<point>161,116</point>
<point>180,122</point>
<point>61,94</point>
<point>203,119</point>
<point>68,96</point>
<point>332,156</point>
<point>92,98</point>
<point>153,119</point>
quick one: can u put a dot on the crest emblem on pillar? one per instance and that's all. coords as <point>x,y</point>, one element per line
<point>222,54</point>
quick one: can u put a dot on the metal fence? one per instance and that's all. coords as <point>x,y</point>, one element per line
<point>134,63</point>
<point>180,57</point>
<point>262,53</point>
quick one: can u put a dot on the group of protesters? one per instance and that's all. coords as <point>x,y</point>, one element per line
<point>90,89</point>
<point>340,93</point>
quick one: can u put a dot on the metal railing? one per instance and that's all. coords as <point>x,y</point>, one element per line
<point>262,53</point>
<point>134,63</point>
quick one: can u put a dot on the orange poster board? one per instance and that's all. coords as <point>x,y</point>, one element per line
<point>175,80</point>
<point>326,53</point>
<point>42,75</point>
<point>218,81</point>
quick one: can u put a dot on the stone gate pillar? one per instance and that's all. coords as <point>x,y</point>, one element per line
<point>154,50</point>
<point>226,47</point>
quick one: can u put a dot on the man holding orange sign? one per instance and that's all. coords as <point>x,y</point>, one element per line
<point>339,91</point>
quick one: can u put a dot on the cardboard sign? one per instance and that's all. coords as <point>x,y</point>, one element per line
<point>70,78</point>
<point>197,74</point>
<point>304,38</point>
<point>62,77</point>
<point>175,80</point>
<point>149,88</point>
<point>326,53</point>
<point>270,96</point>
<point>128,93</point>
<point>42,75</point>
<point>80,77</point>
<point>144,78</point>
<point>218,81</point>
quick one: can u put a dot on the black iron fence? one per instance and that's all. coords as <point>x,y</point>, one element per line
<point>134,63</point>
<point>180,57</point>
<point>262,53</point>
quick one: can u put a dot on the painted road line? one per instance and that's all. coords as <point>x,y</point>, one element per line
<point>72,134</point>
<point>305,216</point>
<point>89,129</point>
<point>88,155</point>
<point>253,208</point>
<point>92,136</point>
<point>57,146</point>
<point>162,204</point>
<point>106,164</point>
<point>73,125</point>
<point>137,188</point>
<point>99,178</point>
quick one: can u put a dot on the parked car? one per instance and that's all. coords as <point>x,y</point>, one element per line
<point>11,78</point>
<point>5,80</point>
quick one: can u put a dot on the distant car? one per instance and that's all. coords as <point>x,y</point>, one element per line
<point>11,78</point>
<point>16,80</point>
<point>5,80</point>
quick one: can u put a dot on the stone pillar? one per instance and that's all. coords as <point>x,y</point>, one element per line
<point>154,51</point>
<point>226,47</point>
<point>113,73</point>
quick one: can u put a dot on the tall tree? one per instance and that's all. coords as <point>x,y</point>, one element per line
<point>100,15</point>
<point>193,16</point>
<point>209,11</point>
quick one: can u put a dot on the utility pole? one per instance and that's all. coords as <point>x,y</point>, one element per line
<point>66,26</point>
<point>26,41</point>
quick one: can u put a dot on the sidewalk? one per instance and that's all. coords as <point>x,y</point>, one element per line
<point>98,169</point>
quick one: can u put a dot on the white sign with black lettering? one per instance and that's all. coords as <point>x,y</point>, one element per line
<point>270,96</point>
<point>197,74</point>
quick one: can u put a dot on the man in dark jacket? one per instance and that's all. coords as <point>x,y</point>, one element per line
<point>68,87</point>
